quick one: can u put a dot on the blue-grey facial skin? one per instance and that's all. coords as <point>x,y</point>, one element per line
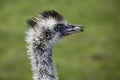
<point>68,29</point>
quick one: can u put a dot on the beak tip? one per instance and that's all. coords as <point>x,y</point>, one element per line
<point>81,28</point>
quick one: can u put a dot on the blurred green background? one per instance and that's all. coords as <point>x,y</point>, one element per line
<point>91,55</point>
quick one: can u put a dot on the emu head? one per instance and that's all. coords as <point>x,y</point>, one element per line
<point>49,27</point>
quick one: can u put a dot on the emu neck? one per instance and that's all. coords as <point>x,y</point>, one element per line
<point>42,63</point>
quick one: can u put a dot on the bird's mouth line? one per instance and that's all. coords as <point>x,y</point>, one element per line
<point>75,31</point>
<point>72,31</point>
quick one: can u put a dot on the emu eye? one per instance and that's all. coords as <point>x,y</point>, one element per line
<point>58,27</point>
<point>47,35</point>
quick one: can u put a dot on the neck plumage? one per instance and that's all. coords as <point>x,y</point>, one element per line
<point>42,62</point>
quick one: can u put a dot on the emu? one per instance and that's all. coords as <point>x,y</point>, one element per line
<point>43,32</point>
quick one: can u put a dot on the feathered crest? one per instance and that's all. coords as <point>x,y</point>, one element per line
<point>46,14</point>
<point>53,14</point>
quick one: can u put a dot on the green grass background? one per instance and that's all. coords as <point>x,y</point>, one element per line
<point>91,55</point>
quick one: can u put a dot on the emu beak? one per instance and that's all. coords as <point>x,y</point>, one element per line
<point>70,29</point>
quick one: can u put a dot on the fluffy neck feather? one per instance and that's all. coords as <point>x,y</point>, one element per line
<point>41,61</point>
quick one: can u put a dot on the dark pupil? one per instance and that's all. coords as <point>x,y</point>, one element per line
<point>48,35</point>
<point>58,27</point>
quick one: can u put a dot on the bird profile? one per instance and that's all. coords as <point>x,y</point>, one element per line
<point>43,32</point>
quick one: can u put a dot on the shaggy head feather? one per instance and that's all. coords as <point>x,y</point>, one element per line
<point>43,32</point>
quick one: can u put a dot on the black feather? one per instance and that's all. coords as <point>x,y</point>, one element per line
<point>53,14</point>
<point>31,22</point>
